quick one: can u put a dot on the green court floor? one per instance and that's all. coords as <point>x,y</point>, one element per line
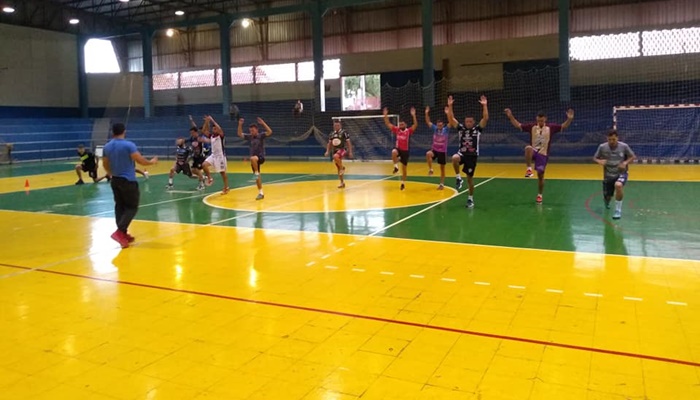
<point>661,219</point>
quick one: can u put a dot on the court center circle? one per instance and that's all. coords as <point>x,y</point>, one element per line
<point>325,196</point>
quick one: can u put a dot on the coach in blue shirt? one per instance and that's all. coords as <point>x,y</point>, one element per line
<point>119,157</point>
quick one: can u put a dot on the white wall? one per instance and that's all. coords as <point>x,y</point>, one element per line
<point>115,90</point>
<point>37,68</point>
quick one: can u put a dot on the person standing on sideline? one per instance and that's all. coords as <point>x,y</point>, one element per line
<point>339,143</point>
<point>439,150</point>
<point>614,156</point>
<point>403,134</point>
<point>540,139</point>
<point>257,149</point>
<point>118,160</point>
<point>468,152</point>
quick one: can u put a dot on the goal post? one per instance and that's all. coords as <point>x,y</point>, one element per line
<point>662,133</point>
<point>370,138</point>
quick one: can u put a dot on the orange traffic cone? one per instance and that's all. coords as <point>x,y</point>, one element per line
<point>26,184</point>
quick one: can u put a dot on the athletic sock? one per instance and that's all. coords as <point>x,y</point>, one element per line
<point>618,205</point>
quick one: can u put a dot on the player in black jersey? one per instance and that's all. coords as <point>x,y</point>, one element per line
<point>198,159</point>
<point>182,155</point>
<point>339,143</point>
<point>468,153</point>
<point>88,163</point>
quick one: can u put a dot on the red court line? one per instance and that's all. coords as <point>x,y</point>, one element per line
<point>368,317</point>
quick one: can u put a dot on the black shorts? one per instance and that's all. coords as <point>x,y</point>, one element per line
<point>403,156</point>
<point>609,184</point>
<point>197,162</point>
<point>184,168</point>
<point>91,171</point>
<point>441,157</point>
<point>469,162</point>
<point>261,161</point>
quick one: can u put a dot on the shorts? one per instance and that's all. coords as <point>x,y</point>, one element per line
<point>92,173</point>
<point>441,156</point>
<point>197,162</point>
<point>184,168</point>
<point>540,161</point>
<point>261,161</point>
<point>340,152</point>
<point>403,156</point>
<point>218,162</point>
<point>609,184</point>
<point>469,162</point>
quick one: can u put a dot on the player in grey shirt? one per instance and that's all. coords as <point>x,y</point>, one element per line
<point>256,141</point>
<point>615,157</point>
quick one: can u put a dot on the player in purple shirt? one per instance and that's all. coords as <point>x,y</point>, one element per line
<point>439,149</point>
<point>257,149</point>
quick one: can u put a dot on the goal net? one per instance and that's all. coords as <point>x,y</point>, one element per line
<point>660,133</point>
<point>370,138</point>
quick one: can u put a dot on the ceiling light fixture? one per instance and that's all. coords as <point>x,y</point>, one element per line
<point>74,21</point>
<point>8,10</point>
<point>245,23</point>
<point>170,32</point>
<point>179,13</point>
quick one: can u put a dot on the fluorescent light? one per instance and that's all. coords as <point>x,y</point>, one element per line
<point>74,21</point>
<point>245,23</point>
<point>124,1</point>
<point>179,13</point>
<point>8,10</point>
<point>170,32</point>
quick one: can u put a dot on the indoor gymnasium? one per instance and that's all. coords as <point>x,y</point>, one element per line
<point>350,199</point>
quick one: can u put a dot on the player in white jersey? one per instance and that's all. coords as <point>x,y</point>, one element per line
<point>217,159</point>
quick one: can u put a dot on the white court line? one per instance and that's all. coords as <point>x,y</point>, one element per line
<point>339,250</point>
<point>358,270</point>
<point>676,303</point>
<point>325,256</point>
<point>593,294</point>
<point>554,291</point>
<point>386,273</point>
<point>632,298</point>
<point>482,283</point>
<point>351,244</point>
<point>516,287</point>
<point>428,208</point>
<point>310,263</point>
<point>448,280</point>
<point>331,267</point>
<point>417,276</point>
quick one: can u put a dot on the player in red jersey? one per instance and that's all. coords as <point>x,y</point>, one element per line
<point>403,134</point>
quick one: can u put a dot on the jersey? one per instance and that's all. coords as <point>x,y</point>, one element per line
<point>182,154</point>
<point>469,139</point>
<point>541,137</point>
<point>440,137</point>
<point>257,144</point>
<point>338,140</point>
<point>118,152</point>
<point>88,160</point>
<point>217,146</point>
<point>622,152</point>
<point>402,137</point>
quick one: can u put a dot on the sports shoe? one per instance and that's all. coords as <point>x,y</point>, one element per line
<point>341,186</point>
<point>470,203</point>
<point>200,186</point>
<point>209,181</point>
<point>430,172</point>
<point>440,186</point>
<point>528,173</point>
<point>403,186</point>
<point>260,196</point>
<point>145,174</point>
<point>225,191</point>
<point>120,238</point>
<point>80,182</point>
<point>538,200</point>
<point>169,187</point>
<point>617,214</point>
<point>458,183</point>
<point>130,238</point>
<point>396,169</point>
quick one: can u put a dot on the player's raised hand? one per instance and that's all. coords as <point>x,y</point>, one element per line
<point>385,111</point>
<point>325,154</point>
<point>413,111</point>
<point>241,121</point>
<point>570,113</point>
<point>260,121</point>
<point>427,109</point>
<point>447,110</point>
<point>450,100</point>
<point>508,112</point>
<point>483,101</point>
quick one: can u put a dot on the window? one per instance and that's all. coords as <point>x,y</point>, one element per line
<point>202,78</point>
<point>331,70</point>
<point>604,46</point>
<point>166,81</point>
<point>671,41</point>
<point>100,57</point>
<point>275,73</point>
<point>361,92</point>
<point>242,75</point>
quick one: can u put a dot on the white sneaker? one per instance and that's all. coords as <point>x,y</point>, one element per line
<point>145,174</point>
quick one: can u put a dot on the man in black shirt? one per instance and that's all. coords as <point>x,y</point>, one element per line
<point>88,163</point>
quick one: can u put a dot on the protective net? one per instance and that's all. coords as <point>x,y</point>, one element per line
<point>370,138</point>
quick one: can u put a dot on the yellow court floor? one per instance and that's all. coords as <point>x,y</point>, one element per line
<point>201,309</point>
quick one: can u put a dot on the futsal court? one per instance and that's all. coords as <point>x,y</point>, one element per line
<point>363,293</point>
